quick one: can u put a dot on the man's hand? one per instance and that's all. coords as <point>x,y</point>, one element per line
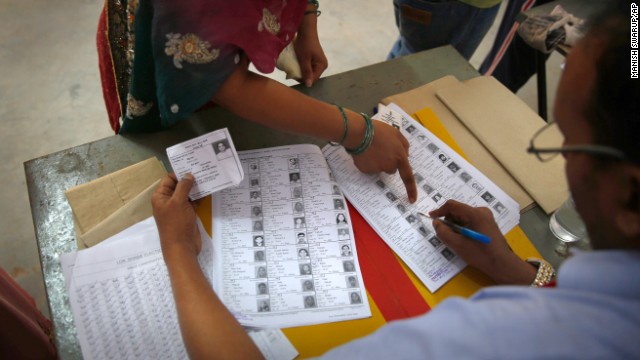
<point>494,259</point>
<point>175,216</point>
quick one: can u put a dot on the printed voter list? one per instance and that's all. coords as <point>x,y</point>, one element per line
<point>212,160</point>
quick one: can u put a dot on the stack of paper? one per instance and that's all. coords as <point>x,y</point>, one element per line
<point>493,127</point>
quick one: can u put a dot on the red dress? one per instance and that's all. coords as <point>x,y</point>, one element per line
<point>161,60</point>
<point>24,332</point>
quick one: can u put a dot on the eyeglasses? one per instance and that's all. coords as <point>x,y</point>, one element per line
<point>546,144</point>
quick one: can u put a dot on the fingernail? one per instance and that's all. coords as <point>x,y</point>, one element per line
<point>189,176</point>
<point>307,83</point>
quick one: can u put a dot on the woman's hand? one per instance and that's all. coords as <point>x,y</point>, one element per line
<point>176,216</point>
<point>389,152</point>
<point>310,55</point>
<point>494,259</point>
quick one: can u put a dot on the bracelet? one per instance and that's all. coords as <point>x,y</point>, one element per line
<point>545,273</point>
<point>317,12</point>
<point>314,3</point>
<point>346,127</point>
<point>367,139</point>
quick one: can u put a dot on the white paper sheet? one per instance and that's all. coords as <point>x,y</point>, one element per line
<point>122,302</point>
<point>441,174</point>
<point>211,159</point>
<point>284,243</point>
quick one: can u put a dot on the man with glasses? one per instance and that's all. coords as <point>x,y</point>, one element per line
<point>593,311</point>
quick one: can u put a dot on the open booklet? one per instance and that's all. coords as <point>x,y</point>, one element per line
<point>122,303</point>
<point>283,241</point>
<point>441,174</point>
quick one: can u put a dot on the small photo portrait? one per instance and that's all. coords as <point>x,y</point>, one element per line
<point>435,242</point>
<point>299,222</point>
<point>499,207</point>
<point>348,266</point>
<point>465,176</point>
<point>302,238</point>
<point>258,255</point>
<point>254,182</point>
<point>345,250</point>
<point>419,178</point>
<point>427,188</point>
<point>307,285</point>
<point>448,254</point>
<point>293,163</point>
<point>310,302</point>
<point>222,149</point>
<point>258,241</point>
<point>253,168</point>
<point>298,207</point>
<point>433,148</point>
<point>422,138</point>
<point>343,233</point>
<point>487,197</point>
<point>341,219</point>
<point>423,230</point>
<point>411,219</point>
<point>437,197</point>
<point>262,288</point>
<point>254,195</point>
<point>391,196</point>
<point>256,211</point>
<point>305,269</point>
<point>331,176</point>
<point>338,204</point>
<point>296,192</point>
<point>380,184</point>
<point>294,178</point>
<point>453,167</point>
<point>261,272</point>
<point>354,297</point>
<point>336,190</point>
<point>263,305</point>
<point>410,129</point>
<point>476,186</point>
<point>352,281</point>
<point>303,253</point>
<point>257,225</point>
<point>401,208</point>
<point>443,158</point>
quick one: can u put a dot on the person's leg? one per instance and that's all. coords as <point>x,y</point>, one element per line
<point>422,25</point>
<point>471,31</point>
<point>511,61</point>
<point>425,25</point>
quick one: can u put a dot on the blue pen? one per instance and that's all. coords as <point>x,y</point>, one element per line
<point>462,230</point>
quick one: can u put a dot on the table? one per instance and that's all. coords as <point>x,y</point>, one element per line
<point>49,176</point>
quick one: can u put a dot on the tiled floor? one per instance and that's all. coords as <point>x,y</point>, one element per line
<point>50,96</point>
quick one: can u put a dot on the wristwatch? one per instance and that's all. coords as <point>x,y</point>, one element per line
<point>545,273</point>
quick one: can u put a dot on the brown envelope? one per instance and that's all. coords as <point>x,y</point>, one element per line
<point>105,206</point>
<point>505,125</point>
<point>425,96</point>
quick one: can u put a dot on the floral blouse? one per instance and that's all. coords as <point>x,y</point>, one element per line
<point>181,52</point>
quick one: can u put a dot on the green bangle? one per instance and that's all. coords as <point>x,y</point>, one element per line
<point>346,127</point>
<point>367,140</point>
<point>314,3</point>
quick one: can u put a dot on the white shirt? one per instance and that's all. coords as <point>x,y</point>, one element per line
<point>593,313</point>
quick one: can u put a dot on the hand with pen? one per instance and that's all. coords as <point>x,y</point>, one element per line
<point>495,259</point>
